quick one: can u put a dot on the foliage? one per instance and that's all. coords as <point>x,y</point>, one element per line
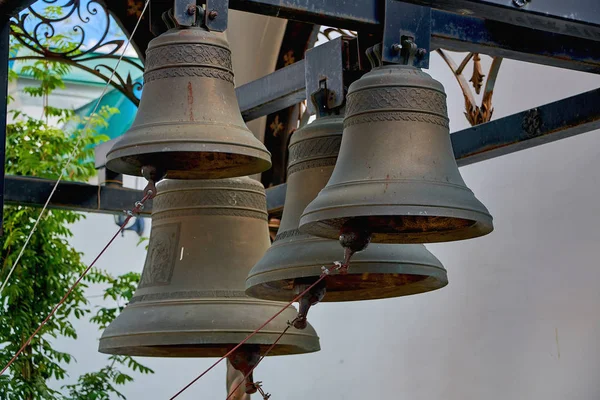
<point>49,265</point>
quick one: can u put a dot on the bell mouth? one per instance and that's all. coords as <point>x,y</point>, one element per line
<point>353,286</point>
<point>194,165</point>
<point>408,228</point>
<point>202,327</point>
<point>193,351</point>
<point>412,228</point>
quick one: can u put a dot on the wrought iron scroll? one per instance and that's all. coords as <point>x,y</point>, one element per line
<point>474,113</point>
<point>40,32</point>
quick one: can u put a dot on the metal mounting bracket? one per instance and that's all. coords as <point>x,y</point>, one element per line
<point>215,17</point>
<point>328,69</point>
<point>184,12</point>
<point>407,34</point>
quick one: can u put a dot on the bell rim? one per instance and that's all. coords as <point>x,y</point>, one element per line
<point>311,253</point>
<point>204,334</point>
<point>119,147</point>
<point>130,344</point>
<point>321,222</point>
<point>259,161</point>
<point>256,285</point>
<point>435,277</point>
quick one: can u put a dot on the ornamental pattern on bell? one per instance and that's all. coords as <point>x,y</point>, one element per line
<point>405,98</point>
<point>198,54</point>
<point>160,260</point>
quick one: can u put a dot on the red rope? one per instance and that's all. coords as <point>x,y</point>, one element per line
<point>138,206</point>
<point>295,299</point>
<point>256,365</point>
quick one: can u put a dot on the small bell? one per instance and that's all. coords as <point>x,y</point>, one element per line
<point>190,302</point>
<point>295,259</point>
<point>188,122</point>
<point>396,176</point>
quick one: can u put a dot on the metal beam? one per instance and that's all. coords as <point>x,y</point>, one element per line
<point>548,123</point>
<point>33,192</point>
<point>358,15</point>
<point>580,18</point>
<point>522,40</point>
<point>462,33</point>
<point>281,89</point>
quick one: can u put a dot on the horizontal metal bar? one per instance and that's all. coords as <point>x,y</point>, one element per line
<point>550,122</point>
<point>281,89</point>
<point>580,18</point>
<point>523,40</point>
<point>463,33</point>
<point>28,191</point>
<point>359,15</point>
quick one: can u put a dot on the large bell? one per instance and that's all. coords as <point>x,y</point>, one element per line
<point>188,123</point>
<point>295,259</point>
<point>190,302</point>
<point>396,176</point>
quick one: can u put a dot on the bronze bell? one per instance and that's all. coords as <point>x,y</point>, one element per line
<point>295,259</point>
<point>206,235</point>
<point>188,123</point>
<point>396,176</point>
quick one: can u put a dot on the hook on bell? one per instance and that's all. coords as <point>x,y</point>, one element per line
<point>396,175</point>
<point>188,122</point>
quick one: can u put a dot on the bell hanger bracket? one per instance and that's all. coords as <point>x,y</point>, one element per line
<point>407,34</point>
<point>328,70</point>
<point>184,12</point>
<point>214,17</point>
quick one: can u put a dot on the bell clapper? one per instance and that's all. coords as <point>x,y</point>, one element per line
<point>354,238</point>
<point>153,175</point>
<point>311,298</point>
<point>245,360</point>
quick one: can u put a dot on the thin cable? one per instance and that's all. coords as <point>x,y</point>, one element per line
<point>295,299</point>
<point>137,208</point>
<point>258,362</point>
<point>73,153</point>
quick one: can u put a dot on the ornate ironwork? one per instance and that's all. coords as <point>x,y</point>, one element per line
<point>474,113</point>
<point>41,32</point>
<point>327,33</point>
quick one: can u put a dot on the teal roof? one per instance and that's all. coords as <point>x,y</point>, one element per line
<point>118,123</point>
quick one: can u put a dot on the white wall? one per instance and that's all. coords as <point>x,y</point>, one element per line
<point>519,319</point>
<point>73,96</point>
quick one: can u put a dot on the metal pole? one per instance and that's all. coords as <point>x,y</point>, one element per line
<point>4,55</point>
